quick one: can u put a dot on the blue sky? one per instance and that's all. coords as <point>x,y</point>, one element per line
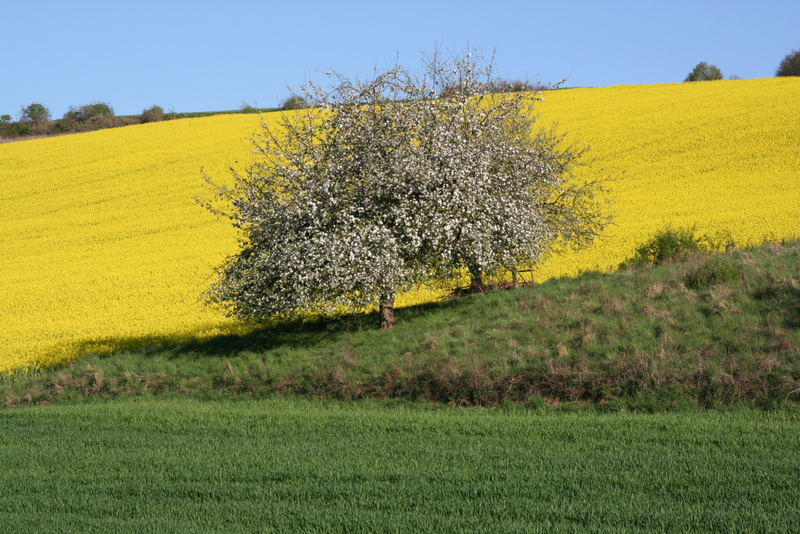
<point>197,55</point>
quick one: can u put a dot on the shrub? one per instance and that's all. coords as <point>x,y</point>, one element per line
<point>498,85</point>
<point>87,111</point>
<point>715,270</point>
<point>18,129</point>
<point>676,244</point>
<point>670,244</point>
<point>65,126</point>
<point>790,66</point>
<point>153,114</point>
<point>501,85</point>
<point>99,122</point>
<point>704,72</point>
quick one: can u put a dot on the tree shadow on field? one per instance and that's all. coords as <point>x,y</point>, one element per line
<point>260,337</point>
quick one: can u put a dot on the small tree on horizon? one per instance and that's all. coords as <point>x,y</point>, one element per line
<point>790,65</point>
<point>246,107</point>
<point>294,102</point>
<point>704,72</point>
<point>153,114</point>
<point>381,186</point>
<point>501,85</point>
<point>89,111</point>
<point>35,112</point>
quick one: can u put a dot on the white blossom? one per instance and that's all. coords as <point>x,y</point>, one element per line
<point>379,187</point>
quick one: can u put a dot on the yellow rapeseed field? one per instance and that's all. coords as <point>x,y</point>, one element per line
<point>103,247</point>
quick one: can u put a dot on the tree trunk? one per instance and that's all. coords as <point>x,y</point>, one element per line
<point>514,278</point>
<point>477,280</point>
<point>387,311</point>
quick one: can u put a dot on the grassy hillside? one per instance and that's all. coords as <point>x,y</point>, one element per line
<point>710,331</point>
<point>101,240</point>
<point>301,466</point>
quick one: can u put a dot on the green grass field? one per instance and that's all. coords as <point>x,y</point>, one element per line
<point>710,331</point>
<point>280,465</point>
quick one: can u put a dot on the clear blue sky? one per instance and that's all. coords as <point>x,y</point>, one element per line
<point>198,55</point>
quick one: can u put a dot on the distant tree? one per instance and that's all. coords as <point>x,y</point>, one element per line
<point>89,111</point>
<point>93,116</point>
<point>5,119</point>
<point>500,85</point>
<point>704,72</point>
<point>72,114</point>
<point>377,187</point>
<point>98,109</point>
<point>294,102</point>
<point>247,108</point>
<point>790,65</point>
<point>153,114</point>
<point>35,112</point>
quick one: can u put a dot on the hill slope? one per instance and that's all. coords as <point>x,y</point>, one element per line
<point>101,239</point>
<point>711,330</point>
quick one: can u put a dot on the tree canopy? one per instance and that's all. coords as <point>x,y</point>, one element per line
<point>790,65</point>
<point>384,184</point>
<point>704,72</point>
<point>35,112</point>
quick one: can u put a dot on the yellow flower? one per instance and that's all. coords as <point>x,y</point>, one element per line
<point>103,247</point>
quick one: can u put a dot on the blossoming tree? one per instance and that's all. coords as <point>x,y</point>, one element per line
<point>403,179</point>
